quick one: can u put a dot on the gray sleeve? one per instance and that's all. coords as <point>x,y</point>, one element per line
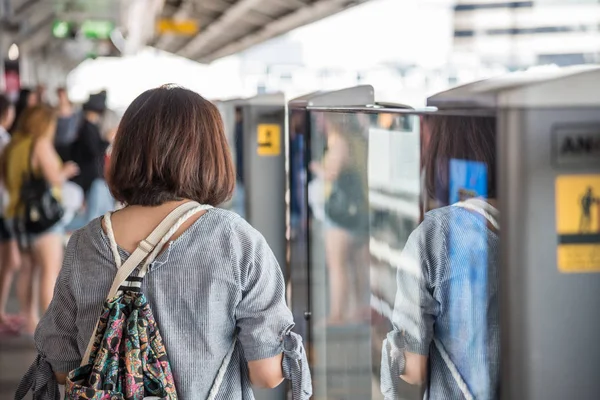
<point>56,334</point>
<point>262,315</point>
<point>415,308</point>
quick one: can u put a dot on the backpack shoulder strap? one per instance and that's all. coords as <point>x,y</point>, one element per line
<point>214,390</point>
<point>146,251</point>
<point>462,385</point>
<point>149,248</point>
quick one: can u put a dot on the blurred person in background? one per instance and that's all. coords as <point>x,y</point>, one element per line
<point>66,126</point>
<point>31,152</point>
<point>9,252</point>
<point>89,149</point>
<point>41,93</point>
<point>343,171</point>
<point>99,200</point>
<point>27,99</point>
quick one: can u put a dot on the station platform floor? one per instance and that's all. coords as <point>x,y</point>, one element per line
<point>16,355</point>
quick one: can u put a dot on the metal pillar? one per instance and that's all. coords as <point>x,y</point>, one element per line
<point>264,181</point>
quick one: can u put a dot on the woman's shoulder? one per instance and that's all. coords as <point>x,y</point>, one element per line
<point>217,228</point>
<point>232,223</point>
<point>43,146</point>
<point>443,218</point>
<point>217,221</point>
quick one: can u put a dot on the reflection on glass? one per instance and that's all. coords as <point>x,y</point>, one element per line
<point>394,192</point>
<point>339,259</point>
<point>298,243</point>
<point>445,335</point>
<point>402,245</point>
<point>342,175</point>
<point>238,200</point>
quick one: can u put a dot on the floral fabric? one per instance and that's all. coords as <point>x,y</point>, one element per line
<point>128,360</point>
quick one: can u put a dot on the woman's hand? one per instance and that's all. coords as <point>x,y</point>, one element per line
<point>415,371</point>
<point>70,170</point>
<point>61,377</point>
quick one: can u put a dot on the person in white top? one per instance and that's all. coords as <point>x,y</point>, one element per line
<point>9,252</point>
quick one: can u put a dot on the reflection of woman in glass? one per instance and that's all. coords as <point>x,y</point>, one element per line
<point>239,205</point>
<point>344,169</point>
<point>446,321</point>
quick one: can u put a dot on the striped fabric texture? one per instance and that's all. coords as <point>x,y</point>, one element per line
<point>217,280</point>
<point>447,306</point>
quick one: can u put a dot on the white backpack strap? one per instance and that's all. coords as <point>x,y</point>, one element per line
<point>214,390</point>
<point>462,385</point>
<point>482,207</point>
<point>152,245</point>
<point>111,238</point>
<point>146,251</point>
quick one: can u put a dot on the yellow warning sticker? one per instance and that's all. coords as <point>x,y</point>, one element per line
<point>269,140</point>
<point>578,223</point>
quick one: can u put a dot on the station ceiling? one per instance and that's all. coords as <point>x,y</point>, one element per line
<point>223,27</point>
<point>230,26</point>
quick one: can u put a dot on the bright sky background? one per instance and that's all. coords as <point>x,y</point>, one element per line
<point>413,31</point>
<point>418,31</point>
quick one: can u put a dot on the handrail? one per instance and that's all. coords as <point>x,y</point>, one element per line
<point>376,109</point>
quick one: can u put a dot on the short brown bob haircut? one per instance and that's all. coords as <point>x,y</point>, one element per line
<point>170,145</point>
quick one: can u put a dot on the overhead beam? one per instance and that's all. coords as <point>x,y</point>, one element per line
<point>28,4</point>
<point>257,18</point>
<point>30,9</point>
<point>141,20</point>
<point>230,16</point>
<point>38,34</point>
<point>291,4</point>
<point>285,24</point>
<point>213,5</point>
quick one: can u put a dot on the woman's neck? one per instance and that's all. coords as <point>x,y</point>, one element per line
<point>167,206</point>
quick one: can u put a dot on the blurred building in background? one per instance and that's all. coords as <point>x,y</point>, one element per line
<point>519,34</point>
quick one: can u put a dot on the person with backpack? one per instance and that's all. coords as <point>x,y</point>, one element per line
<point>168,297</point>
<point>30,162</point>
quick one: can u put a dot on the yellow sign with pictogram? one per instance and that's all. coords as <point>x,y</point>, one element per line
<point>578,223</point>
<point>269,140</point>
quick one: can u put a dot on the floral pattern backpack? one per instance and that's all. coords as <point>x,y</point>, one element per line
<point>126,358</point>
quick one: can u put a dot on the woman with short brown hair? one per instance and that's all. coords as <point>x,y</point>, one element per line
<point>170,146</point>
<point>217,279</point>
